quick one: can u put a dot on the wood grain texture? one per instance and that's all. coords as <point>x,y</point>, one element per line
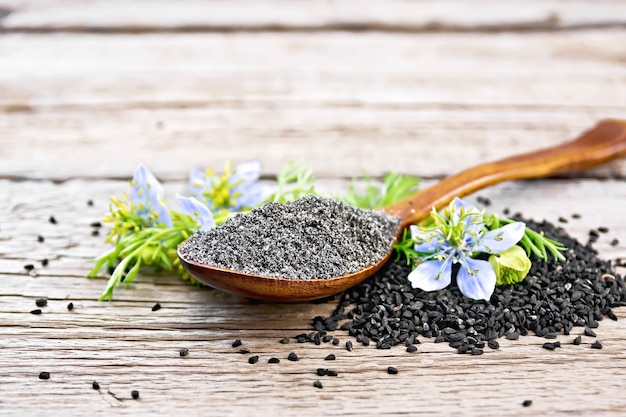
<point>300,15</point>
<point>124,345</point>
<point>342,102</point>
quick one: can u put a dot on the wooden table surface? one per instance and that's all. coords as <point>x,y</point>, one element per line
<point>88,89</point>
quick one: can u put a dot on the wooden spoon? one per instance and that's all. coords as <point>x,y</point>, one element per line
<point>603,143</point>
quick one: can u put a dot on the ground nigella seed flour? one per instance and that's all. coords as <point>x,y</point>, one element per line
<point>312,237</point>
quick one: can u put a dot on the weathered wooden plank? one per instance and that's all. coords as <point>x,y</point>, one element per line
<point>395,15</point>
<point>360,98</point>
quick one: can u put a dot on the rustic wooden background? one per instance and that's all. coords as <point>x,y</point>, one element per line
<point>88,89</point>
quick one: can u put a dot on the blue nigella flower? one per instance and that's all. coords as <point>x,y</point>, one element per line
<point>147,197</point>
<point>198,210</point>
<point>459,234</point>
<point>231,190</point>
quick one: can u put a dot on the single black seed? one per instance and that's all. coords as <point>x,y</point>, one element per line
<point>392,370</point>
<point>463,349</point>
<point>29,267</point>
<point>512,336</point>
<point>40,239</point>
<point>327,339</point>
<point>562,219</point>
<point>577,340</point>
<point>41,302</point>
<point>527,403</point>
<point>318,384</point>
<point>330,357</point>
<point>95,385</point>
<point>594,233</point>
<point>95,232</point>
<point>284,341</point>
<point>135,394</point>
<point>254,359</point>
<point>90,203</point>
<point>611,315</point>
<point>493,344</point>
<point>321,371</point>
<point>335,341</point>
<point>411,348</point>
<point>549,346</point>
<point>557,344</point>
<point>477,351</point>
<point>330,372</point>
<point>52,220</point>
<point>183,352</point>
<point>44,262</point>
<point>156,307</point>
<point>576,216</point>
<point>273,360</point>
<point>603,229</point>
<point>244,350</point>
<point>596,345</point>
<point>36,311</point>
<point>615,242</point>
<point>589,332</point>
<point>44,375</point>
<point>96,224</point>
<point>506,211</point>
<point>349,346</point>
<point>293,357</point>
<point>236,343</point>
<point>70,306</point>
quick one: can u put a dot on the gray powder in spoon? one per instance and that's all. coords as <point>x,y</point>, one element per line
<point>312,237</point>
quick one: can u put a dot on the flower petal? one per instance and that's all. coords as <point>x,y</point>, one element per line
<point>247,172</point>
<point>476,279</point>
<point>163,212</point>
<point>194,208</point>
<point>255,195</point>
<point>501,239</point>
<point>145,185</point>
<point>432,275</point>
<point>427,241</point>
<point>196,181</point>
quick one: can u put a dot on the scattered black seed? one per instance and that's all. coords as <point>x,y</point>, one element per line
<point>610,314</point>
<point>318,384</point>
<point>596,345</point>
<point>576,216</point>
<point>577,340</point>
<point>135,394</point>
<point>411,348</point>
<point>392,370</point>
<point>527,403</point>
<point>52,220</point>
<point>293,357</point>
<point>29,267</point>
<point>90,203</point>
<point>589,332</point>
<point>236,343</point>
<point>615,242</point>
<point>36,311</point>
<point>330,357</point>
<point>95,385</point>
<point>44,262</point>
<point>493,344</point>
<point>506,211</point>
<point>244,350</point>
<point>330,372</point>
<point>44,375</point>
<point>553,299</point>
<point>273,360</point>
<point>95,232</point>
<point>96,224</point>
<point>321,371</point>
<point>156,307</point>
<point>335,341</point>
<point>254,359</point>
<point>284,341</point>
<point>183,352</point>
<point>549,346</point>
<point>349,346</point>
<point>594,233</point>
<point>562,220</point>
<point>476,351</point>
<point>484,201</point>
<point>327,339</point>
<point>70,306</point>
<point>557,344</point>
<point>40,239</point>
<point>603,229</point>
<point>41,302</point>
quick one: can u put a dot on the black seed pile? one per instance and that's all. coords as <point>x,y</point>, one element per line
<point>386,311</point>
<point>310,238</point>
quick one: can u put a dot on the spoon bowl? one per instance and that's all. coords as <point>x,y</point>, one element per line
<point>603,143</point>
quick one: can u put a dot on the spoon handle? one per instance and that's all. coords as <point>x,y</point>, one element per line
<point>603,143</point>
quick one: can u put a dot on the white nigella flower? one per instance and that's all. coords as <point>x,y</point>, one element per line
<point>460,233</point>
